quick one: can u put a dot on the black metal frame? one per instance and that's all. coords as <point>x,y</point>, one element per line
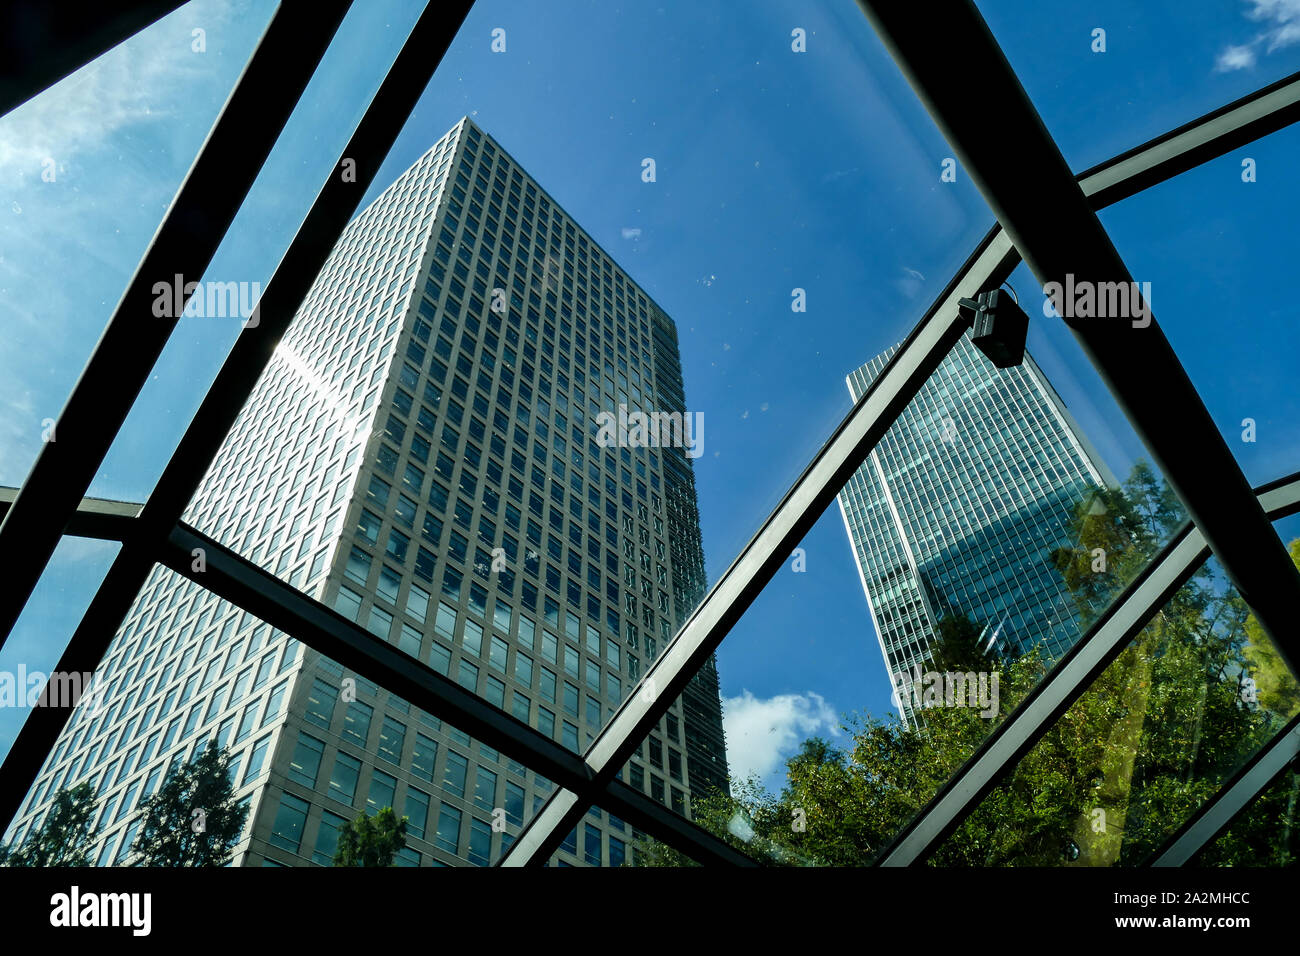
<point>1058,234</point>
<point>40,43</point>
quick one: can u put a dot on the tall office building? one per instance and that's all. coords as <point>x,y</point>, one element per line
<point>958,507</point>
<point>421,454</point>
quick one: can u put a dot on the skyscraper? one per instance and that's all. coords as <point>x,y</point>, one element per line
<point>421,455</point>
<point>959,506</point>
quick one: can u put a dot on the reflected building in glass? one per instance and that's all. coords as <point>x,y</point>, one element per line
<point>958,507</point>
<point>421,456</point>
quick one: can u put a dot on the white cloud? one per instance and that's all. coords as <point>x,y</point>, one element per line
<point>910,283</point>
<point>1281,19</point>
<point>1235,58</point>
<point>763,732</point>
<point>120,89</point>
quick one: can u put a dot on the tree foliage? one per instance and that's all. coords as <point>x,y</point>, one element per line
<point>193,818</point>
<point>1153,736</point>
<point>65,836</point>
<point>371,840</point>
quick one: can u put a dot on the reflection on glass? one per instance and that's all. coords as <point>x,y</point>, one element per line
<point>1108,75</point>
<point>985,512</point>
<point>90,165</point>
<point>1266,833</point>
<point>297,732</point>
<point>1186,703</point>
<point>1191,698</point>
<point>1212,243</point>
<point>988,531</point>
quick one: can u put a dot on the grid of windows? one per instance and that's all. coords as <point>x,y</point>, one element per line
<point>421,454</point>
<point>981,550</point>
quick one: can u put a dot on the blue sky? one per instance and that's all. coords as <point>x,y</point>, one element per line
<point>775,170</point>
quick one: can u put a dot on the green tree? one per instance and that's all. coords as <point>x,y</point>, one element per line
<point>193,818</point>
<point>371,841</point>
<point>1153,736</point>
<point>961,645</point>
<point>66,835</point>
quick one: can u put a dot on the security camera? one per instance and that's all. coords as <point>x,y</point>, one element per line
<point>998,327</point>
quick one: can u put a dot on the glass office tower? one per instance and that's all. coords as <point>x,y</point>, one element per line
<point>421,455</point>
<point>958,508</point>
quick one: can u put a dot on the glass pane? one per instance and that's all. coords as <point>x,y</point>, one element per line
<point>425,453</point>
<point>604,839</point>
<point>763,200</point>
<point>359,749</point>
<point>175,674</point>
<point>310,744</point>
<point>1266,833</point>
<point>91,165</point>
<point>317,132</point>
<point>46,624</point>
<point>1194,696</point>
<point>998,518</point>
<point>1155,66</point>
<point>1212,249</point>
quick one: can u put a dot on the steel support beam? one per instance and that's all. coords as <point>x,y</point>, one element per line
<point>741,583</point>
<point>41,44</point>
<point>990,123</point>
<point>1232,798</point>
<point>191,230</point>
<point>94,518</point>
<point>373,138</point>
<point>1013,738</point>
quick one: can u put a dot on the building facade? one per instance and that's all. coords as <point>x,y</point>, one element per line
<point>421,455</point>
<point>958,508</point>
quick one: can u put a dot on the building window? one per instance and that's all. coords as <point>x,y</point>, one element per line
<point>356,722</point>
<point>290,819</point>
<point>391,739</point>
<point>348,603</point>
<point>255,759</point>
<point>485,789</point>
<point>416,812</point>
<point>591,845</point>
<point>480,842</point>
<point>423,756</point>
<point>358,567</point>
<point>343,779</point>
<point>453,781</point>
<point>514,805</point>
<point>305,763</point>
<point>382,788</point>
<point>448,835</point>
<point>327,838</point>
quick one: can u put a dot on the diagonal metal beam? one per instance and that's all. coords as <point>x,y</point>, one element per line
<point>236,579</point>
<point>741,583</point>
<point>1232,798</point>
<point>989,121</point>
<point>41,44</point>
<point>1073,674</point>
<point>95,517</point>
<point>370,142</point>
<point>1162,158</point>
<point>1244,120</point>
<point>224,171</point>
